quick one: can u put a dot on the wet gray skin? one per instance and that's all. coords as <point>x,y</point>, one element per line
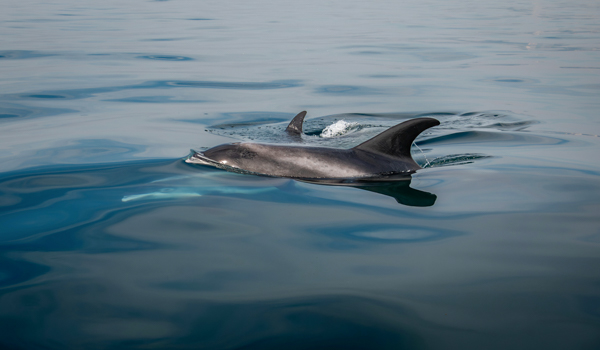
<point>383,155</point>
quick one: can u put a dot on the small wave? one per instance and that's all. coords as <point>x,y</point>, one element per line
<point>166,58</point>
<point>455,159</point>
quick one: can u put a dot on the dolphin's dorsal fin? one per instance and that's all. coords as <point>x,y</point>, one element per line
<point>396,141</point>
<point>295,126</point>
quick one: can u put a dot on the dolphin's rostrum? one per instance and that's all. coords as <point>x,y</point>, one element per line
<point>382,158</point>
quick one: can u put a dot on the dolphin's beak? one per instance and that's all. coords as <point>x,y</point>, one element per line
<point>199,158</point>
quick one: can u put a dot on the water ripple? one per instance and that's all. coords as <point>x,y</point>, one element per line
<point>22,54</point>
<point>160,84</point>
<point>165,57</point>
<point>345,90</point>
<point>343,235</point>
<point>18,111</point>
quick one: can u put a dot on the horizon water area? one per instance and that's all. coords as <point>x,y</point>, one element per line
<point>110,240</point>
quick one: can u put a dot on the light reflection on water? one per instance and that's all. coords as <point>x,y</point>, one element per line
<point>109,240</point>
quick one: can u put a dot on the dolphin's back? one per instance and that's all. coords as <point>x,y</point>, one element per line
<point>303,162</point>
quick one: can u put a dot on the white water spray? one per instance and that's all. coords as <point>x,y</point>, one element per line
<point>424,156</point>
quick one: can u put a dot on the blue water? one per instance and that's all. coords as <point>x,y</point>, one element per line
<point>109,240</point>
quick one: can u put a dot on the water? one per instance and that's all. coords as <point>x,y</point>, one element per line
<point>108,239</point>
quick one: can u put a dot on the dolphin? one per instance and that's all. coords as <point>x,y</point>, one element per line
<point>385,157</point>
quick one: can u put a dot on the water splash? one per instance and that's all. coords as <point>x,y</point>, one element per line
<point>339,128</point>
<point>427,163</point>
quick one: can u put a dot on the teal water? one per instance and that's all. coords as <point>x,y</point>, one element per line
<point>109,240</point>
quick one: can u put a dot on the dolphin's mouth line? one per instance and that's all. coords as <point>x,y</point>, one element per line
<point>200,158</point>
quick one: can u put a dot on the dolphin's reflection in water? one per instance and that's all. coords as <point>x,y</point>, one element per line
<point>403,193</point>
<point>185,187</point>
<point>395,186</point>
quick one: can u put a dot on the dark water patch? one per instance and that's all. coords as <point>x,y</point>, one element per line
<point>590,305</point>
<point>308,322</point>
<point>154,99</point>
<point>323,323</point>
<point>22,54</point>
<point>366,52</point>
<point>13,271</point>
<point>166,58</point>
<point>86,234</point>
<point>562,47</point>
<point>46,96</point>
<point>220,280</point>
<point>80,56</point>
<point>345,90</point>
<point>574,67</point>
<point>423,54</point>
<point>64,94</point>
<point>18,111</point>
<point>468,114</point>
<point>382,76</point>
<point>279,84</point>
<point>163,39</point>
<point>588,86</point>
<point>508,81</point>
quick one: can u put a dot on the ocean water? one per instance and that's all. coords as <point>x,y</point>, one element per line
<point>109,240</point>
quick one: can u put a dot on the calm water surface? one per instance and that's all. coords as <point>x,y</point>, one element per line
<point>108,240</point>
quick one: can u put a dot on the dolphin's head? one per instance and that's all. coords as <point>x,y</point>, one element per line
<point>235,155</point>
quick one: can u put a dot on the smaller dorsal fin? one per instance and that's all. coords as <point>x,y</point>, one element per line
<point>396,141</point>
<point>295,126</point>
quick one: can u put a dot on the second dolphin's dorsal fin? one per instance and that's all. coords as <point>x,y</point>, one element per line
<point>396,141</point>
<point>295,126</point>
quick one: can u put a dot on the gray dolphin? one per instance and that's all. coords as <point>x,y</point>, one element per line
<point>384,157</point>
